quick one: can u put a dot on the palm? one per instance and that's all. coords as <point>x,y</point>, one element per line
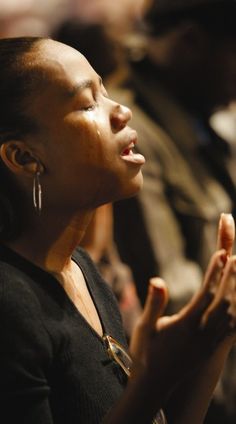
<point>170,347</point>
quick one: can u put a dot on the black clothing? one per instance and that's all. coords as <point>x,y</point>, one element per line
<point>54,368</point>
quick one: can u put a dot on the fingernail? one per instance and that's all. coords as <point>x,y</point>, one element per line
<point>156,283</point>
<point>226,215</point>
<point>227,218</point>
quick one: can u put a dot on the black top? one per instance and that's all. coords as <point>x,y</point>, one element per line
<point>54,368</point>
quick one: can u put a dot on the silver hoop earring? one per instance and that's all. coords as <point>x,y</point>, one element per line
<point>37,193</point>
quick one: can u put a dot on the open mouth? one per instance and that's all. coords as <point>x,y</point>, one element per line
<point>130,156</point>
<point>128,150</point>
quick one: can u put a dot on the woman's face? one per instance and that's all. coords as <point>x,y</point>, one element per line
<point>85,144</point>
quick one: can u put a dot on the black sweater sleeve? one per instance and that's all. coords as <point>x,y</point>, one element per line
<point>25,352</point>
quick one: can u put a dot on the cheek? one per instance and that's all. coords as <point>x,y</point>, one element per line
<point>95,143</point>
<point>74,146</point>
<point>84,145</point>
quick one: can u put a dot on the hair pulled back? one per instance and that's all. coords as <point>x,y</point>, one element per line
<point>16,84</point>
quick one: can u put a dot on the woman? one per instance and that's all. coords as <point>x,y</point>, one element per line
<point>66,148</point>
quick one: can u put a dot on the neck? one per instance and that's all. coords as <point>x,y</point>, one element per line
<point>49,242</point>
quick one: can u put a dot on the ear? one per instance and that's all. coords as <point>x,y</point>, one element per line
<point>19,158</point>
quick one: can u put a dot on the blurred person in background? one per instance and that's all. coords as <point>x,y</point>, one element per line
<point>119,15</point>
<point>91,39</point>
<point>224,123</point>
<point>187,72</point>
<point>31,17</point>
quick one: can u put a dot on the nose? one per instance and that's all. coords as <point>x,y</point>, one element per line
<point>119,117</point>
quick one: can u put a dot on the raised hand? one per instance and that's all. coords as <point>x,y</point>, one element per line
<point>167,349</point>
<point>178,359</point>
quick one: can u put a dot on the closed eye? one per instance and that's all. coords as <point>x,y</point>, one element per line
<point>89,95</point>
<point>90,107</point>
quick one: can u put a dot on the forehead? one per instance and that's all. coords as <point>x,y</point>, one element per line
<point>62,66</point>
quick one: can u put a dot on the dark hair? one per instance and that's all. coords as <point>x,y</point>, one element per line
<point>216,17</point>
<point>16,84</point>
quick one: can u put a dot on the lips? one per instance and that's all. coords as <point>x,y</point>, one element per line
<point>128,150</point>
<point>128,154</point>
<point>130,143</point>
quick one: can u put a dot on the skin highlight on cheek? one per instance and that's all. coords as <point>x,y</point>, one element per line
<point>93,122</point>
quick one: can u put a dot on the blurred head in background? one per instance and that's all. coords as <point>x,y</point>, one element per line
<point>192,44</point>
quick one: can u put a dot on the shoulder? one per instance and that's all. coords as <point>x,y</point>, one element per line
<point>26,350</point>
<point>20,312</point>
<point>12,282</point>
<point>15,284</point>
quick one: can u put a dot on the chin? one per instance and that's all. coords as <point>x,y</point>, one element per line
<point>132,187</point>
<point>118,189</point>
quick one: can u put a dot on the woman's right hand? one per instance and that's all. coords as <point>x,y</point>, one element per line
<point>182,355</point>
<point>167,349</point>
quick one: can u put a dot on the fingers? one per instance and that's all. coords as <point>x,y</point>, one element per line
<point>201,301</point>
<point>214,270</point>
<point>226,233</point>
<point>226,292</point>
<point>155,303</point>
<point>227,286</point>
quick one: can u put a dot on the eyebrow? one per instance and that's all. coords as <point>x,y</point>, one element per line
<point>88,83</point>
